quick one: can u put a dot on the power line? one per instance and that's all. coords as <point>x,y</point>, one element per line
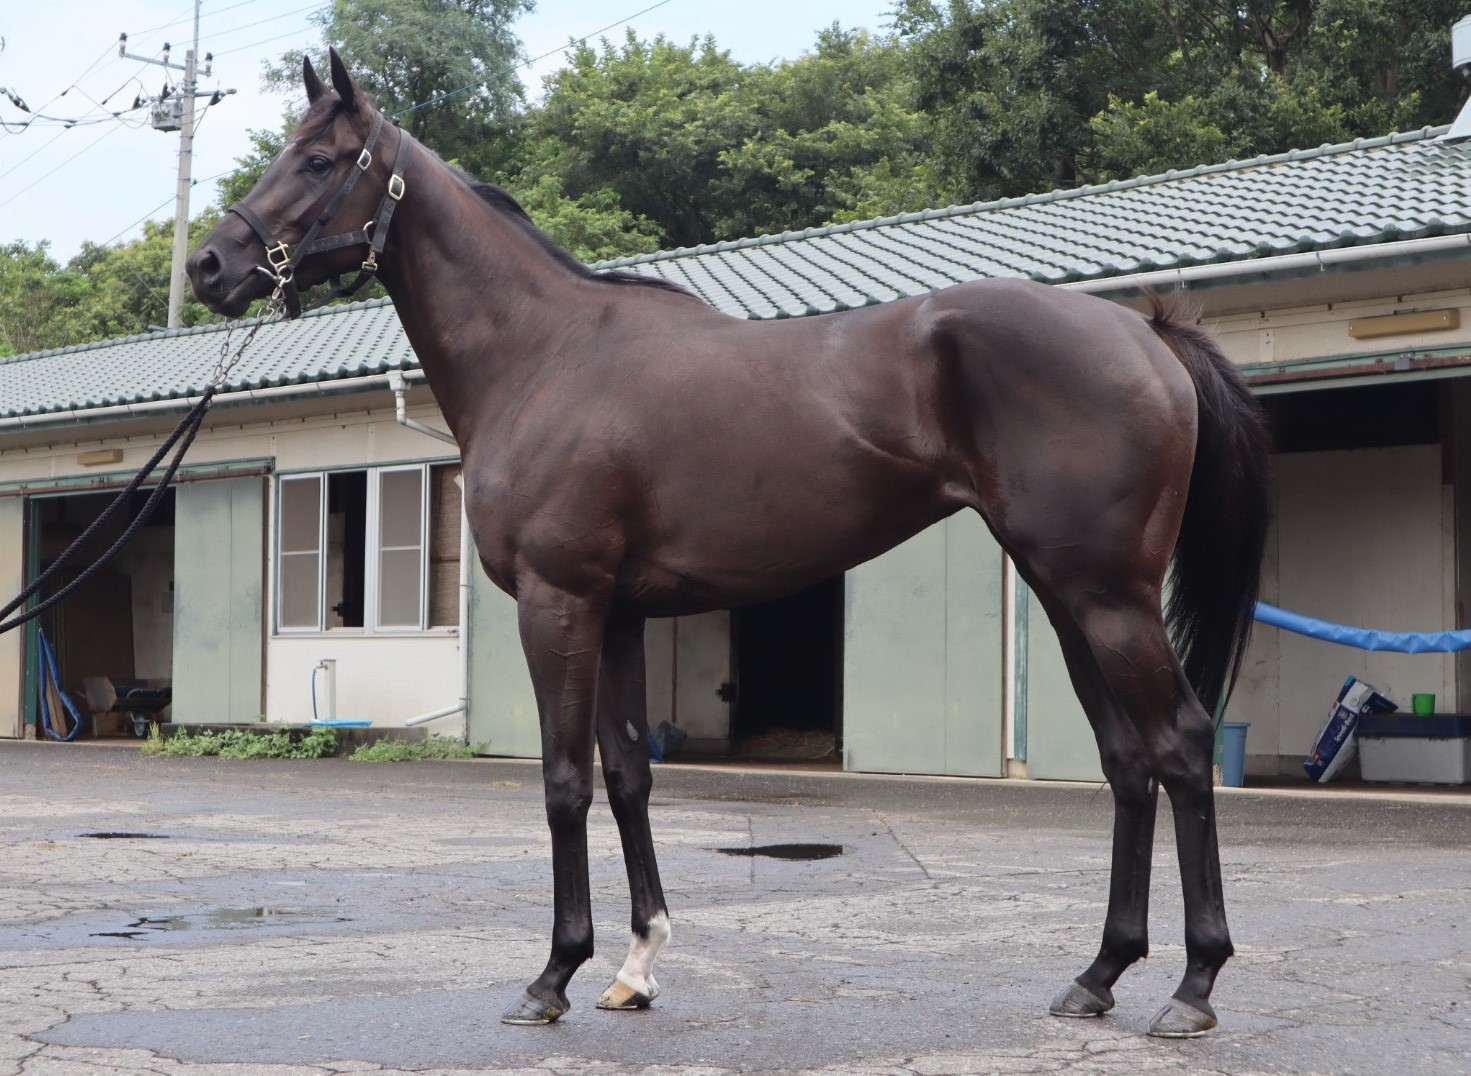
<point>527,63</point>
<point>74,156</point>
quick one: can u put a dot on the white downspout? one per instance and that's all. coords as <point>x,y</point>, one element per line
<point>401,413</point>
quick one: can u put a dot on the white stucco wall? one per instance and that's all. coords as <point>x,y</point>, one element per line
<point>1363,538</point>
<point>384,679</point>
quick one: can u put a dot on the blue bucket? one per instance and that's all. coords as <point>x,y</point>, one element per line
<point>1233,752</point>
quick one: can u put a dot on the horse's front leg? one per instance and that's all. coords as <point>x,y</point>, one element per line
<point>623,741</point>
<point>562,635</point>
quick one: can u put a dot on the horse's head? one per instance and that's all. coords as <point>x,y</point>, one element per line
<point>312,214</point>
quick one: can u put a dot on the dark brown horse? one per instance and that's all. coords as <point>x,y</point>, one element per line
<point>629,452</point>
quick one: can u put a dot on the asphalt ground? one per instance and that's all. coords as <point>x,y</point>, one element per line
<point>324,917</point>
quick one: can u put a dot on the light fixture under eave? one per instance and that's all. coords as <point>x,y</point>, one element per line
<point>1460,61</point>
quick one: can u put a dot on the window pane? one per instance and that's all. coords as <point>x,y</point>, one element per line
<point>297,587</point>
<point>401,509</point>
<point>444,546</point>
<point>347,535</point>
<point>398,588</point>
<point>301,514</point>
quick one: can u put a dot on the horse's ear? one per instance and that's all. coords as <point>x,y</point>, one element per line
<point>342,82</point>
<point>314,85</point>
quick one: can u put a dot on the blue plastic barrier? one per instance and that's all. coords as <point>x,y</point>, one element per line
<point>1404,642</point>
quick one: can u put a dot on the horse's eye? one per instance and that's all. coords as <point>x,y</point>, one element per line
<point>319,164</point>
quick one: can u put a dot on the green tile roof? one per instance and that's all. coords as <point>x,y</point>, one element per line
<point>1372,191</point>
<point>1404,186</point>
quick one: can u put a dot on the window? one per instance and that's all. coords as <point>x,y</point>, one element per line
<point>374,550</point>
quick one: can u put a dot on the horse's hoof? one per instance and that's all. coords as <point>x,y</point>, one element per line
<point>1077,1000</point>
<point>1178,1020</point>
<point>627,993</point>
<point>530,1009</point>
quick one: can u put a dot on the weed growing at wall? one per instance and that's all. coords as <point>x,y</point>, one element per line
<point>413,750</point>
<point>242,743</point>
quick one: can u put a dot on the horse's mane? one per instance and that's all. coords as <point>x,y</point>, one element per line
<point>501,199</point>
<point>318,119</point>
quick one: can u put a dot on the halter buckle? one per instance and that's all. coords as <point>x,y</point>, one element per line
<point>279,255</point>
<point>396,187</point>
<point>365,159</point>
<point>371,265</point>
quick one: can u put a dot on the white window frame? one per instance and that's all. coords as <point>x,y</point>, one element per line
<point>320,477</point>
<point>372,553</point>
<point>374,549</point>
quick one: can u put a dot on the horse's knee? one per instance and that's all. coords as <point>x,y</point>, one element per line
<point>567,801</point>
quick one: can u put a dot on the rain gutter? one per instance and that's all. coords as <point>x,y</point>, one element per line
<point>180,404</point>
<point>1303,264</point>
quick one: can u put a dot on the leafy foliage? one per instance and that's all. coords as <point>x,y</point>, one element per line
<point>318,742</point>
<point>706,149</point>
<point>640,145</point>
<point>411,53</point>
<point>431,747</point>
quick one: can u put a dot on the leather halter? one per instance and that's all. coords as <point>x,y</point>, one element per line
<point>284,259</point>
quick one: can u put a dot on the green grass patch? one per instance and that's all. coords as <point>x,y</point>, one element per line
<point>431,747</point>
<point>242,743</point>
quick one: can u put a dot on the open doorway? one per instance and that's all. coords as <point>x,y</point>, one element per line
<point>788,663</point>
<point>114,636</point>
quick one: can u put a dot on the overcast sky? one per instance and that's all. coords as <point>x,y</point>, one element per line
<point>100,180</point>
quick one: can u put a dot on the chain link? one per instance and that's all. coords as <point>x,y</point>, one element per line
<point>275,306</point>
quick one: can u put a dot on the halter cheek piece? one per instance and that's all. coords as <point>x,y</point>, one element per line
<point>374,234</point>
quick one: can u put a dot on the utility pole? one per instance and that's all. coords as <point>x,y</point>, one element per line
<point>175,112</point>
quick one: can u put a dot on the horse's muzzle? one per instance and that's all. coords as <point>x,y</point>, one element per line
<point>221,288</point>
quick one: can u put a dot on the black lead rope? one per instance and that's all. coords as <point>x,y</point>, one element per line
<point>183,437</point>
<point>185,430</point>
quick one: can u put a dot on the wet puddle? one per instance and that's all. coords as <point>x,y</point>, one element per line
<point>787,851</point>
<point>111,836</point>
<point>223,919</point>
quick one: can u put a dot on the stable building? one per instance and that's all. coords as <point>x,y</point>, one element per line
<point>311,560</point>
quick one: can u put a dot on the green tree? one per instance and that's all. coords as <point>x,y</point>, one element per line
<point>410,54</point>
<point>1034,94</point>
<point>39,300</point>
<point>709,149</point>
<point>593,227</point>
<point>129,282</point>
<point>1012,84</point>
<point>265,147</point>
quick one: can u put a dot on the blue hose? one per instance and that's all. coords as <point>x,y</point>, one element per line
<point>47,661</point>
<point>1404,642</point>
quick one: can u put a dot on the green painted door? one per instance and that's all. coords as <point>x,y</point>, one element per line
<point>1059,740</point>
<point>501,715</point>
<point>12,582</point>
<point>922,655</point>
<point>219,601</point>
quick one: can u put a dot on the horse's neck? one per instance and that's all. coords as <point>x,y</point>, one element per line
<point>476,294</point>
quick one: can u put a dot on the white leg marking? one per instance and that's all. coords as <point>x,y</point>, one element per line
<point>634,987</point>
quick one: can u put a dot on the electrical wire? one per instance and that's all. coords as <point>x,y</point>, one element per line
<point>74,156</point>
<point>527,63</point>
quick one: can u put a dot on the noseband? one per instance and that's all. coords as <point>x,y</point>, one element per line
<point>285,259</point>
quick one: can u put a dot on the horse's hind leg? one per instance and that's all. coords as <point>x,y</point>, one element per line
<point>562,635</point>
<point>1135,794</point>
<point>1126,636</point>
<point>623,741</point>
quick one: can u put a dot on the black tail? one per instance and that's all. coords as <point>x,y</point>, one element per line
<point>1217,565</point>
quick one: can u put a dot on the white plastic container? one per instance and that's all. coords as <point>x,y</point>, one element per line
<point>1412,749</point>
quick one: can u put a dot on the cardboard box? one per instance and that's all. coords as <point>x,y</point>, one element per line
<point>1335,746</point>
